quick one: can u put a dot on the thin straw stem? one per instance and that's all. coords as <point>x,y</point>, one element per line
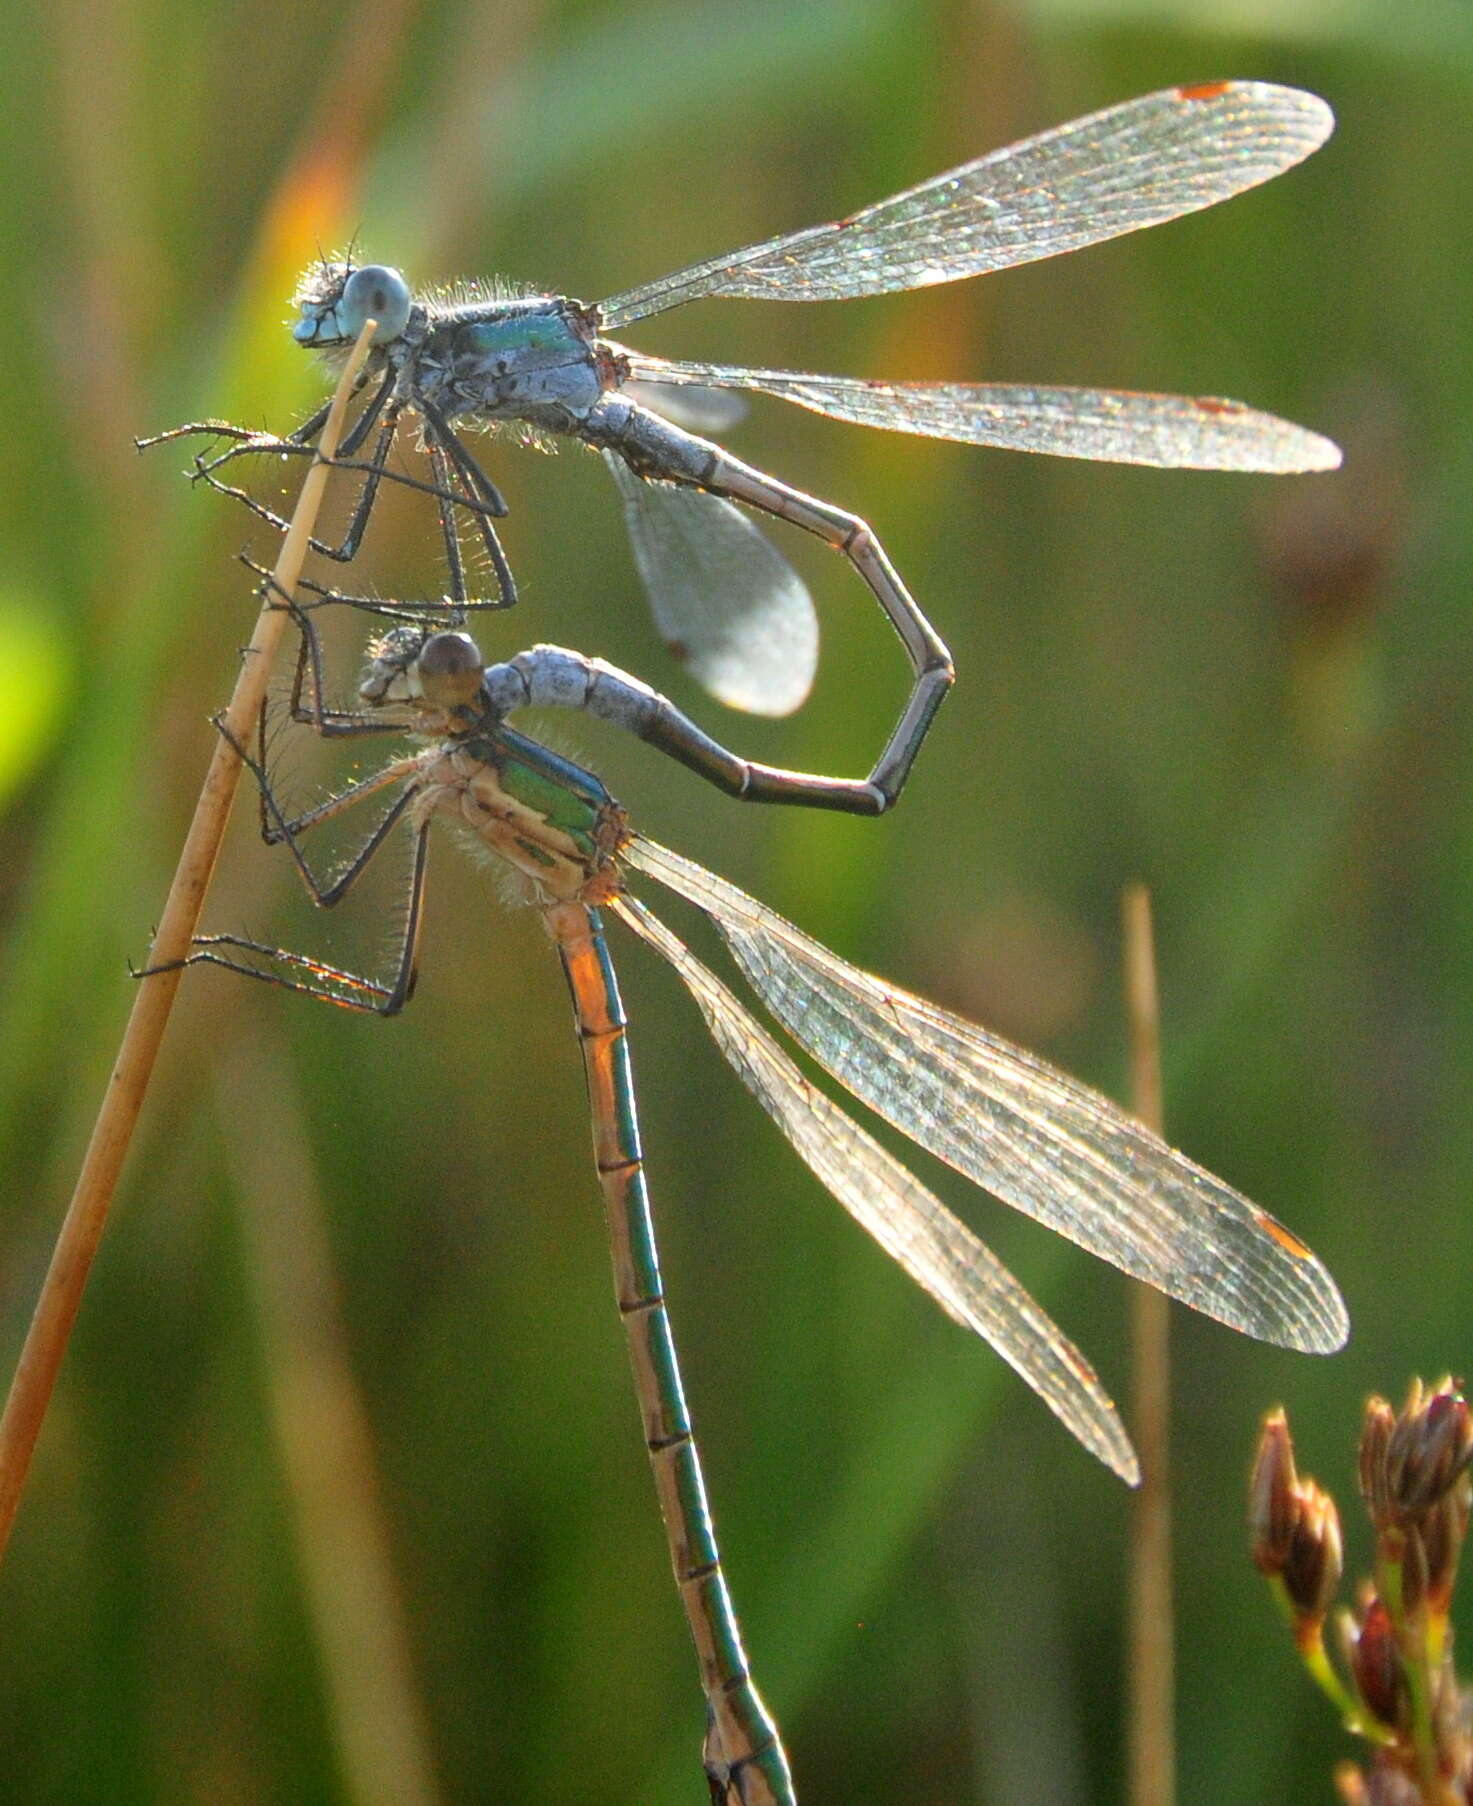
<point>81,1231</point>
<point>1151,1645</point>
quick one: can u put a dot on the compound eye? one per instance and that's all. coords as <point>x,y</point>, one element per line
<point>375,292</point>
<point>449,654</point>
<point>450,669</point>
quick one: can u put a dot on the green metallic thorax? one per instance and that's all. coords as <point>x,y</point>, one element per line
<point>545,337</point>
<point>544,815</point>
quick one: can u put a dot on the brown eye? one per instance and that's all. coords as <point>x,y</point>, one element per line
<point>450,669</point>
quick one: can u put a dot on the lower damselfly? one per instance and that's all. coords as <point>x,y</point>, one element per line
<point>730,605</point>
<point>1035,1138</point>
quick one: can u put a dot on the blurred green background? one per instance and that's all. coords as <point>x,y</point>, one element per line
<point>356,1274</point>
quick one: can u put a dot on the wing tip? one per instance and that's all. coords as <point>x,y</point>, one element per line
<point>1313,117</point>
<point>754,692</point>
<point>1318,1323</point>
<point>1123,1462</point>
<point>1308,453</point>
<point>1330,1331</point>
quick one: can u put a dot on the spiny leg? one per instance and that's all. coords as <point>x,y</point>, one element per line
<point>278,829</point>
<point>374,471</point>
<point>474,491</point>
<point>379,472</point>
<point>300,442</point>
<point>306,702</point>
<point>328,983</point>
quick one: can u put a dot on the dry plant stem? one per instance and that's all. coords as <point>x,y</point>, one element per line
<point>1152,1651</point>
<point>81,1230</point>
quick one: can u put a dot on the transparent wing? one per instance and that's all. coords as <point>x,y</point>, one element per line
<point>910,1223</point>
<point>1133,165</point>
<point>1029,1134</point>
<point>698,409</point>
<point>727,602</point>
<point>1119,426</point>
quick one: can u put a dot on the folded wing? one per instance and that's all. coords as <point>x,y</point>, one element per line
<point>726,601</point>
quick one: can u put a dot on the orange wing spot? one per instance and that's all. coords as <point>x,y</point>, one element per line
<point>1203,91</point>
<point>1206,404</point>
<point>1291,1244</point>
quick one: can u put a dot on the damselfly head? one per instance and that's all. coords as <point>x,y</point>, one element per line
<point>450,669</point>
<point>442,671</point>
<point>335,300</point>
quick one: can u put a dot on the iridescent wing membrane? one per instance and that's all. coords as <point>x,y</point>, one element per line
<point>1130,166</point>
<point>1024,1131</point>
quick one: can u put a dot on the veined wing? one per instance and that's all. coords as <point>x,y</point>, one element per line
<point>1132,165</point>
<point>699,409</point>
<point>909,1222</point>
<point>1118,426</point>
<point>727,602</point>
<point>1029,1134</point>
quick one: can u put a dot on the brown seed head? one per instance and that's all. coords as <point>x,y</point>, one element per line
<point>1375,1440</point>
<point>1272,1508</point>
<point>1430,1447</point>
<point>1311,1574</point>
<point>1376,1666</point>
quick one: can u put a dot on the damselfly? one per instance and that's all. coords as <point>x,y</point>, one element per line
<point>1027,1133</point>
<point>725,599</point>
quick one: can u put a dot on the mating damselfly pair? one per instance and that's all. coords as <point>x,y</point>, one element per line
<point>1039,1140</point>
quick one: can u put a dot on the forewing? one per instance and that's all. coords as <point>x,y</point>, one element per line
<point>909,1222</point>
<point>1117,426</point>
<point>1029,1134</point>
<point>727,602</point>
<point>1132,165</point>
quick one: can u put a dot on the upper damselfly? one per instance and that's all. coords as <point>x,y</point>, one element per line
<point>724,598</point>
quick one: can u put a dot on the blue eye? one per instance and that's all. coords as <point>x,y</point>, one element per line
<point>374,293</point>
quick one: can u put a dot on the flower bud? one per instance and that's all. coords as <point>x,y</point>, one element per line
<point>1272,1512</point>
<point>1429,1448</point>
<point>1375,1440</point>
<point>1311,1574</point>
<point>1376,1666</point>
